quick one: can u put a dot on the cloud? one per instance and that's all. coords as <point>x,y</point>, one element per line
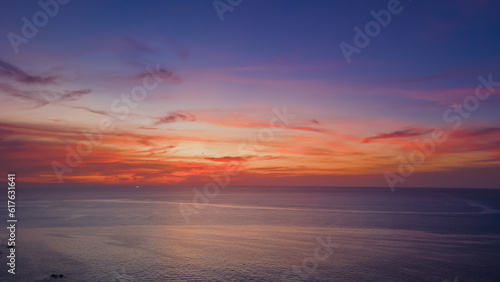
<point>41,97</point>
<point>104,113</point>
<point>481,131</point>
<point>251,117</point>
<point>412,132</point>
<point>73,95</point>
<point>5,132</point>
<point>33,99</point>
<point>485,139</point>
<point>229,159</point>
<point>10,71</point>
<point>162,73</point>
<point>155,150</point>
<point>31,149</point>
<point>174,117</point>
<point>442,76</point>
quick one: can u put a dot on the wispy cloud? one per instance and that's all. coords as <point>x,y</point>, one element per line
<point>480,132</point>
<point>412,132</point>
<point>229,159</point>
<point>35,98</point>
<point>10,71</point>
<point>99,112</point>
<point>174,117</point>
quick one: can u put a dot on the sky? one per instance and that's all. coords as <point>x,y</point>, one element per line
<point>310,93</point>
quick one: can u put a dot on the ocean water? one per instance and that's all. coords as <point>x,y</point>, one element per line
<point>256,234</point>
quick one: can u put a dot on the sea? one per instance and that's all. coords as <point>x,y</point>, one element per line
<point>131,233</point>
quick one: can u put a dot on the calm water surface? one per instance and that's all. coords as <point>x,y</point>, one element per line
<point>260,234</point>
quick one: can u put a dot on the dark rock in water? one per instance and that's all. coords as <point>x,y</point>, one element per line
<point>57,276</point>
<point>53,276</point>
<point>61,276</point>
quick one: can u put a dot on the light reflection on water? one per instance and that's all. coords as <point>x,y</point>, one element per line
<point>416,235</point>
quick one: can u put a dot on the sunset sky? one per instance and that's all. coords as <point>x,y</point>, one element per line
<point>220,85</point>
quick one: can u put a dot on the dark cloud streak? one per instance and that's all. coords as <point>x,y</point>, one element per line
<point>10,71</point>
<point>412,132</point>
<point>174,117</point>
